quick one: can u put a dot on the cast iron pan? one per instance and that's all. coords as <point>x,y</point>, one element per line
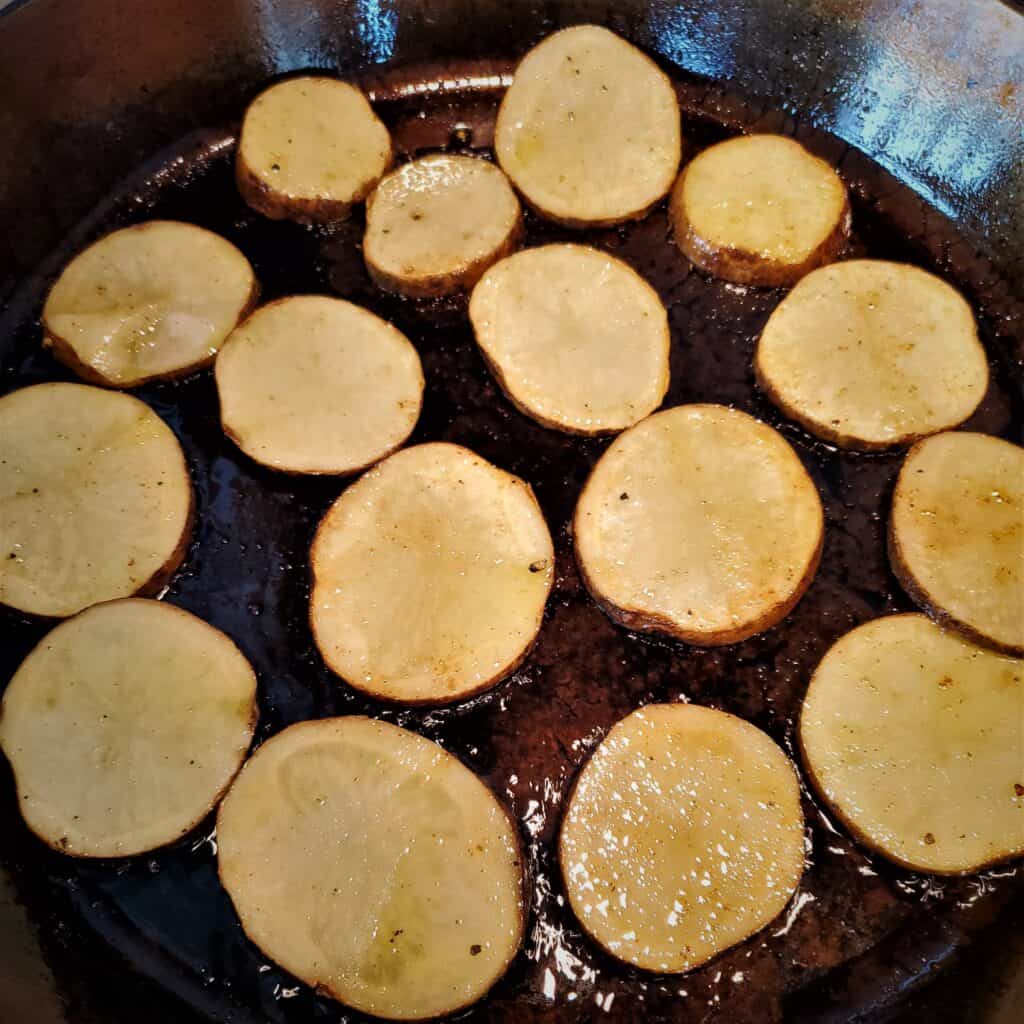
<point>858,935</point>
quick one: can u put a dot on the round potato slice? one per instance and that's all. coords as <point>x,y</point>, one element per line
<point>589,129</point>
<point>699,522</point>
<point>95,498</point>
<point>869,354</point>
<point>312,384</point>
<point>956,535</point>
<point>913,737</point>
<point>436,224</point>
<point>125,726</point>
<point>374,866</point>
<point>430,576</point>
<point>148,302</point>
<point>577,339</point>
<point>310,147</point>
<point>683,836</point>
<point>759,210</point>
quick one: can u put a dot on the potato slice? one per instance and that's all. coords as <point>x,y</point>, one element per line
<point>148,302</point>
<point>913,737</point>
<point>312,384</point>
<point>759,210</point>
<point>95,498</point>
<point>589,129</point>
<point>683,836</point>
<point>436,224</point>
<point>430,575</point>
<point>577,339</point>
<point>701,523</point>
<point>869,354</point>
<point>374,866</point>
<point>956,535</point>
<point>310,147</point>
<point>125,726</point>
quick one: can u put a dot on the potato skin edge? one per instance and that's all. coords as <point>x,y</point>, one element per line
<point>743,267</point>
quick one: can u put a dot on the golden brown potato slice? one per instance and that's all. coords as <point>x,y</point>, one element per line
<point>436,224</point>
<point>589,129</point>
<point>148,302</point>
<point>759,210</point>
<point>95,498</point>
<point>913,736</point>
<point>577,339</point>
<point>430,575</point>
<point>312,384</point>
<point>956,535</point>
<point>124,727</point>
<point>373,866</point>
<point>683,836</point>
<point>699,522</point>
<point>869,354</point>
<point>310,147</point>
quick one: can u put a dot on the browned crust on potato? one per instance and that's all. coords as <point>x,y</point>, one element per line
<point>492,680</point>
<point>743,267</point>
<point>237,439</point>
<point>432,286</point>
<point>862,837</point>
<point>324,988</point>
<point>919,595</point>
<point>551,424</point>
<point>570,796</point>
<point>65,353</point>
<point>263,198</point>
<point>61,845</point>
<point>649,622</point>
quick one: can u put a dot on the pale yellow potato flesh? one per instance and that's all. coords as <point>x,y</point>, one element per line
<point>589,131</point>
<point>683,836</point>
<point>310,147</point>
<point>95,498</point>
<point>577,339</point>
<point>374,866</point>
<point>759,209</point>
<point>436,224</point>
<point>430,576</point>
<point>870,354</point>
<point>148,302</point>
<point>956,535</point>
<point>699,522</point>
<point>915,739</point>
<point>312,384</point>
<point>124,726</point>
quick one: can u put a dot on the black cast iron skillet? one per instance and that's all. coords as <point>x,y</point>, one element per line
<point>134,108</point>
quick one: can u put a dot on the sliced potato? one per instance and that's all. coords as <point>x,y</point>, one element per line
<point>148,302</point>
<point>760,210</point>
<point>956,535</point>
<point>913,736</point>
<point>683,836</point>
<point>436,224</point>
<point>310,147</point>
<point>589,129</point>
<point>124,727</point>
<point>699,522</point>
<point>576,338</point>
<point>312,384</point>
<point>430,575</point>
<point>870,354</point>
<point>374,866</point>
<point>95,498</point>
